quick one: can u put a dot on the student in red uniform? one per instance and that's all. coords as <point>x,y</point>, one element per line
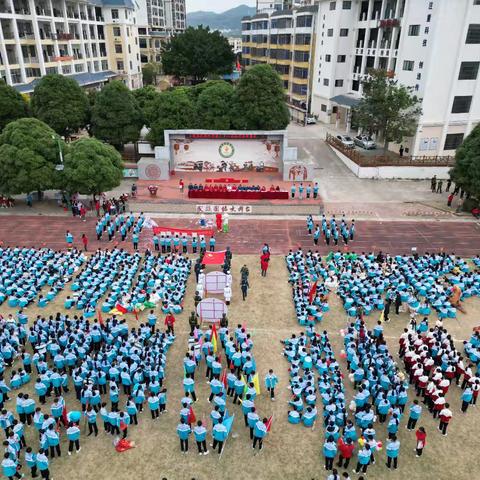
<point>445,417</point>
<point>345,447</point>
<point>421,435</point>
<point>169,322</point>
<point>85,242</point>
<point>264,259</point>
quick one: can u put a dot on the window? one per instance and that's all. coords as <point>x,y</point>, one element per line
<point>429,17</point>
<point>116,31</point>
<point>339,83</point>
<point>300,56</point>
<point>119,65</point>
<point>419,76</point>
<point>413,30</point>
<point>115,14</point>
<point>301,39</point>
<point>143,43</point>
<point>304,21</point>
<point>427,29</point>
<point>408,65</point>
<point>118,48</point>
<point>453,141</point>
<point>131,65</point>
<point>330,32</point>
<point>461,104</point>
<point>129,49</point>
<point>341,58</point>
<point>344,32</point>
<point>430,5</point>
<point>328,58</point>
<point>300,72</point>
<point>323,107</point>
<point>326,82</point>
<point>473,34</point>
<point>347,5</point>
<point>424,43</point>
<point>476,2</point>
<point>420,64</point>
<point>468,70</point>
<point>333,5</point>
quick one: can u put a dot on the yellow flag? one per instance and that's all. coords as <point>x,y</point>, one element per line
<point>256,383</point>
<point>382,316</point>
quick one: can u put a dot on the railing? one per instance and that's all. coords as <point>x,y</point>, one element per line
<point>392,160</point>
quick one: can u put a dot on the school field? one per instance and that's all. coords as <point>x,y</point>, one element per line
<point>291,452</point>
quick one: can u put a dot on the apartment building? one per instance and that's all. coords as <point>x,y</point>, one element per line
<point>431,45</point>
<point>157,21</point>
<point>284,39</point>
<point>69,37</point>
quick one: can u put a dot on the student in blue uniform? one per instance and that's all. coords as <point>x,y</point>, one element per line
<point>259,433</point>
<point>200,434</point>
<point>271,382</point>
<point>393,447</point>
<point>73,435</point>
<point>183,431</point>
<point>415,412</point>
<point>219,434</point>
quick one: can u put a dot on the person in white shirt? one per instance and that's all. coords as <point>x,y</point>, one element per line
<point>227,293</point>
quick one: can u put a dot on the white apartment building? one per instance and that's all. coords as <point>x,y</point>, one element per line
<point>157,21</point>
<point>69,37</point>
<point>430,45</point>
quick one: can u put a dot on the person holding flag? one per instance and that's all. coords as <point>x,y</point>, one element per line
<point>271,382</point>
<point>200,434</point>
<point>259,433</point>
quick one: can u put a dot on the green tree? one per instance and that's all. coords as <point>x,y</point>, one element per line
<point>173,110</point>
<point>116,116</point>
<point>196,53</point>
<point>259,102</point>
<point>91,167</point>
<point>466,171</point>
<point>214,106</point>
<point>61,103</point>
<point>149,74</point>
<point>12,105</point>
<point>387,107</point>
<point>146,97</point>
<point>29,151</point>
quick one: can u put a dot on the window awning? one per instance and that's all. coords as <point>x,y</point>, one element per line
<point>345,100</point>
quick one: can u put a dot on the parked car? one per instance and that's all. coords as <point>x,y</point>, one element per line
<point>346,140</point>
<point>311,121</point>
<point>365,142</point>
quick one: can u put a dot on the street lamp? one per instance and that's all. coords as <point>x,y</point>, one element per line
<point>59,167</point>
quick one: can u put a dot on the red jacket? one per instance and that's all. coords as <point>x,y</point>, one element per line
<point>264,261</point>
<point>346,450</point>
<point>421,437</point>
<point>169,320</point>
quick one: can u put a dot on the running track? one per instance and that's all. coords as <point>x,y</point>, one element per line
<point>248,236</point>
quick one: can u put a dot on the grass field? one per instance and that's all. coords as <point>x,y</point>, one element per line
<point>291,451</point>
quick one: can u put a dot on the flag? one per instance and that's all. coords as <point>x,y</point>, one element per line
<point>269,423</point>
<point>120,308</point>
<point>228,422</point>
<point>65,416</point>
<point>232,366</point>
<point>214,338</point>
<point>245,388</point>
<point>191,416</point>
<point>224,378</point>
<point>312,293</point>
<point>256,383</point>
<point>100,317</point>
<point>382,315</point>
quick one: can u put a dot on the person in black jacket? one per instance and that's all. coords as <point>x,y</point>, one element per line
<point>398,303</point>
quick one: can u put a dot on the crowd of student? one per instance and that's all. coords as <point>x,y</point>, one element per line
<point>24,272</point>
<point>238,381</point>
<point>99,358</point>
<point>167,242</point>
<point>119,226</point>
<point>330,231</point>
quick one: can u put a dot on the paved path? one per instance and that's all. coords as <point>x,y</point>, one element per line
<point>247,236</point>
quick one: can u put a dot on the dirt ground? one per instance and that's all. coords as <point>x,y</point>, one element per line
<point>291,451</point>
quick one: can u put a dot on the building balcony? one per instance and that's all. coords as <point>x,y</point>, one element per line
<point>22,10</point>
<point>303,48</point>
<point>4,8</point>
<point>28,60</point>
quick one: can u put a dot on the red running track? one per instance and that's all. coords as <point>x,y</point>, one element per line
<point>248,236</point>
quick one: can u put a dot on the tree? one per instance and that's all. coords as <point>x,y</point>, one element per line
<point>173,110</point>
<point>12,105</point>
<point>388,107</point>
<point>214,106</point>
<point>196,53</point>
<point>149,74</point>
<point>116,116</point>
<point>466,171</point>
<point>259,102</point>
<point>29,151</point>
<point>146,97</point>
<point>91,167</point>
<point>61,103</point>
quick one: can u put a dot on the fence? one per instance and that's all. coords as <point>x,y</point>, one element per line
<point>391,160</point>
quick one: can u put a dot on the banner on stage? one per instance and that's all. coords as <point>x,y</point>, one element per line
<point>224,208</point>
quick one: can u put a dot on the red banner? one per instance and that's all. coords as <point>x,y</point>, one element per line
<point>208,232</point>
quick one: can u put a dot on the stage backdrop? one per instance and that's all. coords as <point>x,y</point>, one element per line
<point>225,154</point>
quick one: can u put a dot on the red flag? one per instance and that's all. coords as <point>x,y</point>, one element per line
<point>232,366</point>
<point>136,315</point>
<point>191,416</point>
<point>312,293</point>
<point>214,332</point>
<point>100,317</point>
<point>120,308</point>
<point>65,416</point>
<point>224,378</point>
<point>123,426</point>
<point>269,423</point>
